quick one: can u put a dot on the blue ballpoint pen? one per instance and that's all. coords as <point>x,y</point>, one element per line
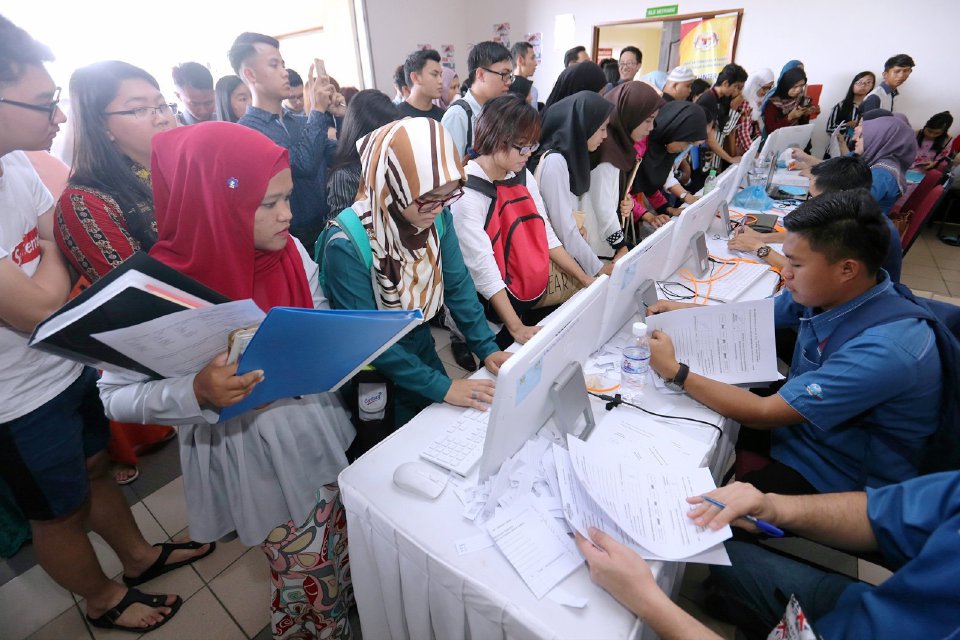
<point>764,526</point>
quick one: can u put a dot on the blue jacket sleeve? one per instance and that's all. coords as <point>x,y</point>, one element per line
<point>348,285</point>
<point>916,524</point>
<point>460,294</point>
<point>311,148</point>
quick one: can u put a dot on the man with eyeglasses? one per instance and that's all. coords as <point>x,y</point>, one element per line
<point>630,61</point>
<point>53,432</point>
<point>256,59</point>
<point>193,86</point>
<point>490,74</point>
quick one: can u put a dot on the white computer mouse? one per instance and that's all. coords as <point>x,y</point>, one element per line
<point>420,478</point>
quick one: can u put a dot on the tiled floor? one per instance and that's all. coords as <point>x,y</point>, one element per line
<point>225,594</point>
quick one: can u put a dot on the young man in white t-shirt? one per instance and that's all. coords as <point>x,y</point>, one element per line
<point>53,432</point>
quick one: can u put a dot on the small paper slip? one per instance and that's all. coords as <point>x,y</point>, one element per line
<point>732,343</point>
<point>540,551</point>
<point>567,599</point>
<point>183,343</point>
<point>473,543</point>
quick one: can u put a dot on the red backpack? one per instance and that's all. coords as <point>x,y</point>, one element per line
<point>518,235</point>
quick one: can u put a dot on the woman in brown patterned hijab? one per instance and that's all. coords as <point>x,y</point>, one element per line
<point>411,172</point>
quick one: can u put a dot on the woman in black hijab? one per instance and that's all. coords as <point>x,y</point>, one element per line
<point>679,126</point>
<point>583,76</point>
<point>573,128</point>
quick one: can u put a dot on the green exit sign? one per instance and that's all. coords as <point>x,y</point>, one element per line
<point>666,10</point>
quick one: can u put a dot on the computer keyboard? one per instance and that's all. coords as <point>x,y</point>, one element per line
<point>733,285</point>
<point>460,445</point>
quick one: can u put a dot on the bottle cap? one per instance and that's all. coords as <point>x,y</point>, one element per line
<point>639,329</point>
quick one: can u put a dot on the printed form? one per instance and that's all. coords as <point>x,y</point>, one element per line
<point>648,503</point>
<point>182,343</point>
<point>732,343</point>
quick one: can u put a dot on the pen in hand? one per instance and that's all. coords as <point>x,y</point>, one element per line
<point>764,526</point>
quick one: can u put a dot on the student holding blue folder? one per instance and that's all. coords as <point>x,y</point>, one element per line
<point>222,202</point>
<point>411,173</point>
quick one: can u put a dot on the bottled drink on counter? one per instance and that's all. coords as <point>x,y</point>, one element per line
<point>711,182</point>
<point>636,363</point>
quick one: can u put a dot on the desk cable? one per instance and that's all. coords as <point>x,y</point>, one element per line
<point>617,400</point>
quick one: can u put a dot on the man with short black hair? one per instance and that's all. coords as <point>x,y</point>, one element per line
<point>716,102</point>
<point>575,55</point>
<point>896,71</point>
<point>629,63</point>
<point>294,102</point>
<point>424,76</point>
<point>193,86</point>
<point>525,65</point>
<point>843,173</point>
<point>490,74</point>
<point>256,59</point>
<point>53,431</point>
<point>854,413</point>
<point>400,85</point>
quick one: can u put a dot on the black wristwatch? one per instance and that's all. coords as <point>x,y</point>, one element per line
<point>763,252</point>
<point>677,383</point>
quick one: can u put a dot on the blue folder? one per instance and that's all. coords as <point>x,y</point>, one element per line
<point>304,351</point>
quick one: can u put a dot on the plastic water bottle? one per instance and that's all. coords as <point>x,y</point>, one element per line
<point>636,363</point>
<point>711,182</point>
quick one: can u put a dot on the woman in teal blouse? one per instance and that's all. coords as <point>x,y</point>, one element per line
<point>411,173</point>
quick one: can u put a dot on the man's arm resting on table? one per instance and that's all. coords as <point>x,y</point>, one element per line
<point>727,400</point>
<point>836,519</point>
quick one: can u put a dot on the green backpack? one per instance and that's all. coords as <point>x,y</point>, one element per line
<point>348,224</point>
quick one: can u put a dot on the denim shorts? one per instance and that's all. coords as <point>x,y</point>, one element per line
<point>43,454</point>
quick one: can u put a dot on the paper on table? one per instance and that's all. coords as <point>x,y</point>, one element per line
<point>650,443</point>
<point>182,343</point>
<point>732,343</point>
<point>649,504</point>
<point>583,512</point>
<point>541,552</point>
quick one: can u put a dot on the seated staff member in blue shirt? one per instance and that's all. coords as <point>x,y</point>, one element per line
<point>860,417</point>
<point>889,146</point>
<point>256,59</point>
<point>843,173</point>
<point>411,172</point>
<point>913,525</point>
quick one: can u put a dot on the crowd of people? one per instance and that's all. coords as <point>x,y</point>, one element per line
<point>295,192</point>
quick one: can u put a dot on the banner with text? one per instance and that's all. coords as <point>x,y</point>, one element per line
<point>706,46</point>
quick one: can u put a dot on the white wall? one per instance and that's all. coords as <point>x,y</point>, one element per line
<point>834,38</point>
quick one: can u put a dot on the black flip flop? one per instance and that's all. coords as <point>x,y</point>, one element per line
<point>161,567</point>
<point>134,596</point>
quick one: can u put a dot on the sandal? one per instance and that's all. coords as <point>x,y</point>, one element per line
<point>133,596</point>
<point>161,567</point>
<point>129,479</point>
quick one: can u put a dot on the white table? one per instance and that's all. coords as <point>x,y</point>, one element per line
<point>409,581</point>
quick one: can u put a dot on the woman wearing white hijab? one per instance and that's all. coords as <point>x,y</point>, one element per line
<point>748,128</point>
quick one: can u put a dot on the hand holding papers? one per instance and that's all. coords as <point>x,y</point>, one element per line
<point>732,343</point>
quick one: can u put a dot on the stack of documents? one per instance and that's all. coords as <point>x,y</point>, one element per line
<point>630,480</point>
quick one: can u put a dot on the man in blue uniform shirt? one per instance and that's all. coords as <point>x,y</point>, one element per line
<point>915,525</point>
<point>851,416</point>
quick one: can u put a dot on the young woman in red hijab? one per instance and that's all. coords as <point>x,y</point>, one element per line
<point>221,195</point>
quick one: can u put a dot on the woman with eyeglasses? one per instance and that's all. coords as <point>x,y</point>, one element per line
<point>847,111</point>
<point>502,210</point>
<point>410,173</point>
<point>105,214</point>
